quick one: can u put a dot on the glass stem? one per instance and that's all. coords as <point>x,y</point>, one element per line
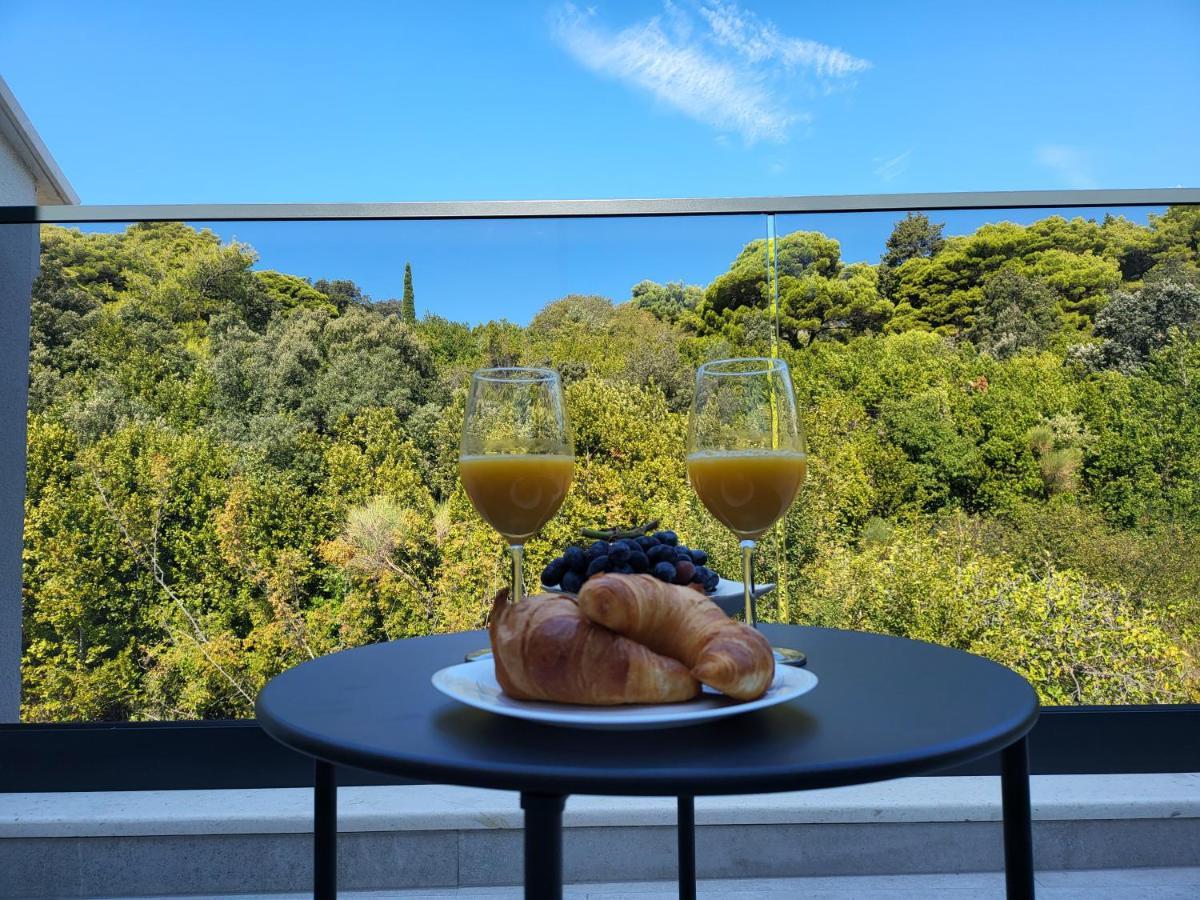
<point>748,581</point>
<point>517,587</point>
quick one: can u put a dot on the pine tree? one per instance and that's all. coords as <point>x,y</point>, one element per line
<point>408,311</point>
<point>913,236</point>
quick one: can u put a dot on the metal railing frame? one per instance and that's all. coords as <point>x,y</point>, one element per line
<point>580,209</point>
<point>130,756</point>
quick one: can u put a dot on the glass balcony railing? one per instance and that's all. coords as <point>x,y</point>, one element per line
<point>242,434</point>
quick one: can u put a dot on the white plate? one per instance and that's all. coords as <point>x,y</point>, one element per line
<point>474,683</point>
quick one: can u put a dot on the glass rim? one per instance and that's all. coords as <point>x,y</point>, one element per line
<point>766,365</point>
<point>515,375</point>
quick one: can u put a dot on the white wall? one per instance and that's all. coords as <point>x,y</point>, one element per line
<point>17,187</point>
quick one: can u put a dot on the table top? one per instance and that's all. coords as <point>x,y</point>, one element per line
<point>885,707</point>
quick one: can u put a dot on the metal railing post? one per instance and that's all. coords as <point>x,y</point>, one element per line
<point>18,265</point>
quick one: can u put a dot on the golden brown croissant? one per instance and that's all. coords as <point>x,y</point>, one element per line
<point>684,625</point>
<point>546,649</point>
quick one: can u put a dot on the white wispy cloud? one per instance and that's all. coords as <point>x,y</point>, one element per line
<point>1070,164</point>
<point>761,41</point>
<point>712,73</point>
<point>680,74</point>
<point>889,168</point>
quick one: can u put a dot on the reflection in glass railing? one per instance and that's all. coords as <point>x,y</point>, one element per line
<point>243,436</point>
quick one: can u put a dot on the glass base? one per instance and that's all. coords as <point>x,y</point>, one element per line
<point>785,656</point>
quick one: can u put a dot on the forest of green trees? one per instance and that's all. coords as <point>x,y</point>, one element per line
<point>231,471</point>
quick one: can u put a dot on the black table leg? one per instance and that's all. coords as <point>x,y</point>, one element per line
<point>325,833</point>
<point>543,845</point>
<point>686,826</point>
<point>1018,821</point>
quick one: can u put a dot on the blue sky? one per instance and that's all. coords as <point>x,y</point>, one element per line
<point>270,102</point>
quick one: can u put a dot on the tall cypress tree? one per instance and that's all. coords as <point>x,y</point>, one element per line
<point>408,311</point>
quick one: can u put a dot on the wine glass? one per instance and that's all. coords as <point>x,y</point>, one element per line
<point>746,454</point>
<point>516,459</point>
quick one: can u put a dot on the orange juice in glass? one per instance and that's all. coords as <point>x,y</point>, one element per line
<point>746,454</point>
<point>747,490</point>
<point>516,493</point>
<point>516,459</point>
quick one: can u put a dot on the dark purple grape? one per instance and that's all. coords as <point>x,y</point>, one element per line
<point>702,573</point>
<point>645,543</point>
<point>684,570</point>
<point>624,569</point>
<point>554,571</point>
<point>683,554</point>
<point>619,552</point>
<point>597,565</point>
<point>699,557</point>
<point>638,561</point>
<point>572,582</point>
<point>711,584</point>
<point>664,571</point>
<point>661,552</point>
<point>597,548</point>
<point>576,559</point>
<point>667,537</point>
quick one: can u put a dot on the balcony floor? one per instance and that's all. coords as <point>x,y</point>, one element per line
<point>1094,884</point>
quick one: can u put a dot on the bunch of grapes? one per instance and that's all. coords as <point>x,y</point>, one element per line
<point>659,554</point>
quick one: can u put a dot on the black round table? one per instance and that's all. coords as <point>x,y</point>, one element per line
<point>885,707</point>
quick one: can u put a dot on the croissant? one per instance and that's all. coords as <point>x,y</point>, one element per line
<point>684,625</point>
<point>546,649</point>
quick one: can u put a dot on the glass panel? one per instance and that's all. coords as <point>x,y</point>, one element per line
<point>243,437</point>
<point>1005,438</point>
<point>244,454</point>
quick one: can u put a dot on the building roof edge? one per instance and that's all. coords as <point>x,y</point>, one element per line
<point>52,185</point>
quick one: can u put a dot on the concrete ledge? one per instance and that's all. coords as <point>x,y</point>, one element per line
<point>1096,884</point>
<point>180,864</point>
<point>441,807</point>
<point>427,836</point>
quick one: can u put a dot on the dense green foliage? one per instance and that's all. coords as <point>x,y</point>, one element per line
<point>231,470</point>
